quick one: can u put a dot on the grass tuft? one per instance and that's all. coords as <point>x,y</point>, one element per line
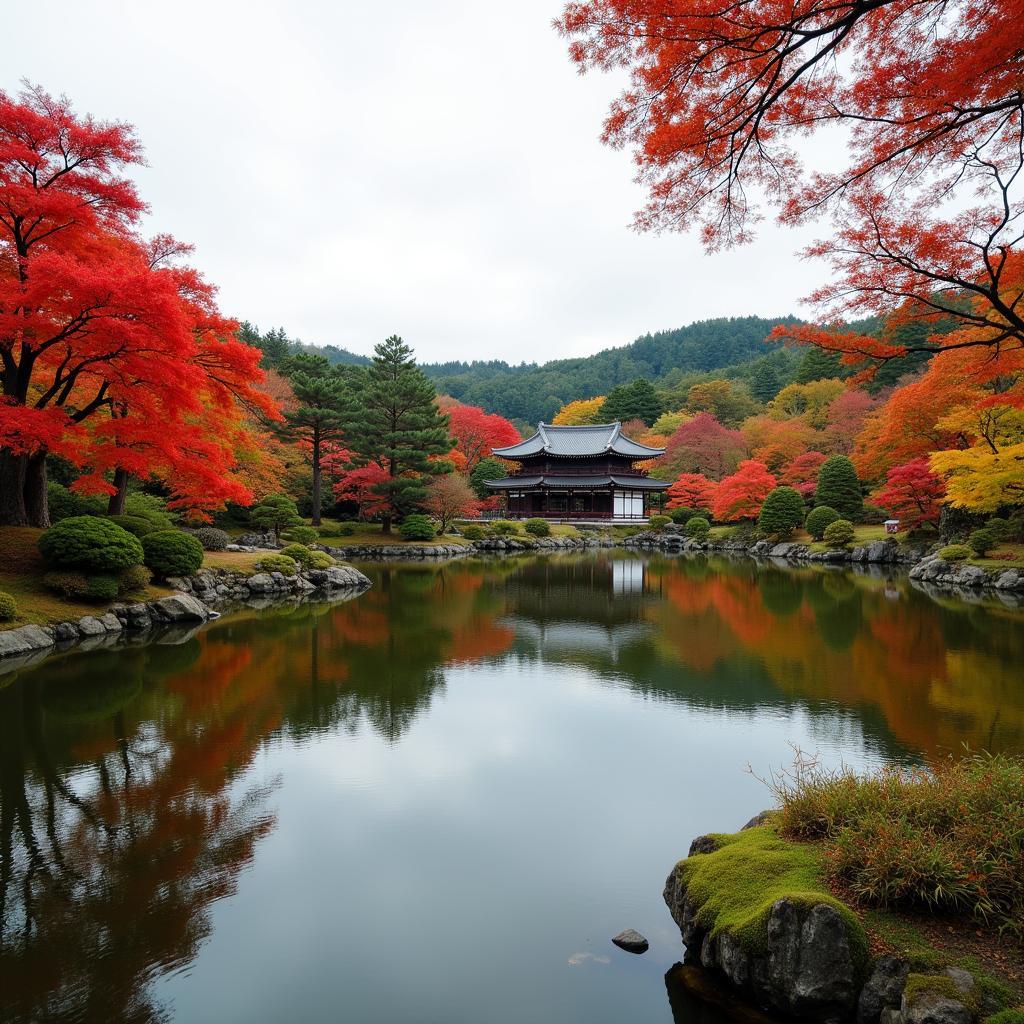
<point>947,839</point>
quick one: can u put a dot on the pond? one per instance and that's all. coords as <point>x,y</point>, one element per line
<point>437,802</point>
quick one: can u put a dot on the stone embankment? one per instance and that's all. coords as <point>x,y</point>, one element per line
<point>405,551</point>
<point>809,959</point>
<point>197,598</point>
<point>925,566</point>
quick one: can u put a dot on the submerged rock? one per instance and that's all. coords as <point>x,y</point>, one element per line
<point>631,941</point>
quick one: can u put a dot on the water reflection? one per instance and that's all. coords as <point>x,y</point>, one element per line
<point>130,805</point>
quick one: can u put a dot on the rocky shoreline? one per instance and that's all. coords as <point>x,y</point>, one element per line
<point>922,562</point>
<point>811,963</point>
<point>196,601</point>
<point>924,568</point>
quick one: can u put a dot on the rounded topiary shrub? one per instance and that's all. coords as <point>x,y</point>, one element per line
<point>320,560</point>
<point>681,516</point>
<point>819,519</point>
<point>211,538</point>
<point>982,541</point>
<point>172,553</point>
<point>297,552</point>
<point>697,528</point>
<point>91,544</point>
<point>839,534</point>
<point>537,527</point>
<point>278,563</point>
<point>416,527</point>
<point>504,527</point>
<point>659,522</point>
<point>133,580</point>
<point>781,513</point>
<point>135,525</point>
<point>955,553</point>
<point>473,532</point>
<point>305,535</point>
<point>8,607</point>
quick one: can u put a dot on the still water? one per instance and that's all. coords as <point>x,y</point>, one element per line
<point>438,802</point>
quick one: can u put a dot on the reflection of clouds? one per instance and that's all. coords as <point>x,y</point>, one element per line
<point>578,958</point>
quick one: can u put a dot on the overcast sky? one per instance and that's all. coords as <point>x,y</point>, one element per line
<point>431,169</point>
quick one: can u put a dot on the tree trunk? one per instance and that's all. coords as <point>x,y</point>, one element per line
<point>115,507</point>
<point>316,481</point>
<point>37,504</point>
<point>12,489</point>
<point>385,523</point>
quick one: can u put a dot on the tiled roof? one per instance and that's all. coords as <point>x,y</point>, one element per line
<point>590,440</point>
<point>635,483</point>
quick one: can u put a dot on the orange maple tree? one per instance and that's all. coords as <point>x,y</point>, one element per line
<point>926,95</point>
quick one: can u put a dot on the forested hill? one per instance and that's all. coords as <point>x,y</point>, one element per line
<point>530,392</point>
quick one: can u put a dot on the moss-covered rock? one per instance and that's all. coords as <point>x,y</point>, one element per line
<point>756,908</point>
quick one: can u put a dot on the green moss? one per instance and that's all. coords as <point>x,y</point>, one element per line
<point>912,945</point>
<point>919,985</point>
<point>1015,1016</point>
<point>735,887</point>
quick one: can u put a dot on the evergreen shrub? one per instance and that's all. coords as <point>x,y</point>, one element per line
<point>658,522</point>
<point>297,552</point>
<point>416,527</point>
<point>211,538</point>
<point>8,607</point>
<point>504,527</point>
<point>303,534</point>
<point>90,543</point>
<point>697,528</point>
<point>172,553</point>
<point>781,513</point>
<point>278,563</point>
<point>135,525</point>
<point>839,488</point>
<point>839,534</point>
<point>819,518</point>
<point>982,541</point>
<point>955,553</point>
<point>537,527</point>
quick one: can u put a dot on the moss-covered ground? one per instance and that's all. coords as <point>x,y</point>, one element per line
<point>21,576</point>
<point>735,887</point>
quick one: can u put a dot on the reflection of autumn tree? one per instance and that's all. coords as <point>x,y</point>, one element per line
<point>108,862</point>
<point>832,638</point>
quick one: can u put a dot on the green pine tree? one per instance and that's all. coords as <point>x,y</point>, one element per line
<point>839,488</point>
<point>320,416</point>
<point>765,383</point>
<point>818,364</point>
<point>635,401</point>
<point>392,420</point>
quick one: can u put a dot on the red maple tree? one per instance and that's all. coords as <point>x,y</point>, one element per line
<point>475,432</point>
<point>691,490</point>
<point>912,493</point>
<point>741,495</point>
<point>96,324</point>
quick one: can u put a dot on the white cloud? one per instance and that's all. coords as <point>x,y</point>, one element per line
<point>349,171</point>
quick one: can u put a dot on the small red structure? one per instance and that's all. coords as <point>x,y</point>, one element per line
<point>892,526</point>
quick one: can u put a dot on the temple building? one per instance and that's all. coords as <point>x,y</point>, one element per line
<point>578,473</point>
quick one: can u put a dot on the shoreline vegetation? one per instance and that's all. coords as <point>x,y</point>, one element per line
<point>894,897</point>
<point>24,575</point>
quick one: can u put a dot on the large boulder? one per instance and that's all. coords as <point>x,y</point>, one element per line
<point>804,961</point>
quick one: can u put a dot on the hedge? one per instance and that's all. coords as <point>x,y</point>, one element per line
<point>90,543</point>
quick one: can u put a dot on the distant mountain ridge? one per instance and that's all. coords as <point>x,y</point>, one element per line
<point>533,392</point>
<point>529,392</point>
